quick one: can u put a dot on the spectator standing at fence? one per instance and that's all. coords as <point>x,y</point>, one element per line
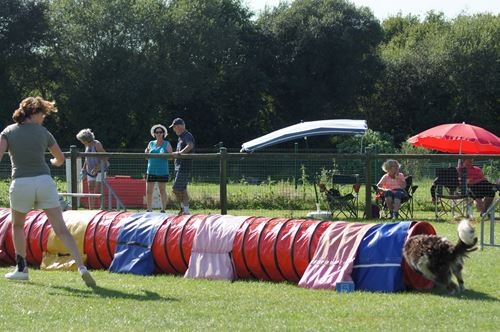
<point>157,171</point>
<point>32,185</point>
<point>481,189</point>
<point>92,165</point>
<point>183,167</point>
<point>393,185</point>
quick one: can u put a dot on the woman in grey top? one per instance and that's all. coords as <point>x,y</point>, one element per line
<point>32,186</point>
<point>92,165</point>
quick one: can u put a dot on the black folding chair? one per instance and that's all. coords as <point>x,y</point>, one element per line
<point>342,198</point>
<point>449,195</point>
<point>406,208</point>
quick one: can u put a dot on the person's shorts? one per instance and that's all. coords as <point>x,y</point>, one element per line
<point>396,194</point>
<point>96,178</point>
<point>37,192</point>
<point>156,178</point>
<point>482,189</point>
<point>181,180</point>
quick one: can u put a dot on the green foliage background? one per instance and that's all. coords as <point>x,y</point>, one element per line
<point>119,66</point>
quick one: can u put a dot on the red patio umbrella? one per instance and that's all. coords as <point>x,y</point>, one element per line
<point>458,138</point>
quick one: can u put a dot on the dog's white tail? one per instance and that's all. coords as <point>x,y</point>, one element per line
<point>466,232</point>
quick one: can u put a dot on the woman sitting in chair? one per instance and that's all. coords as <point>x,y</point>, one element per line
<point>393,184</point>
<point>481,189</point>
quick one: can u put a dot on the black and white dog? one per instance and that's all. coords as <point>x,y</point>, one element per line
<point>437,259</point>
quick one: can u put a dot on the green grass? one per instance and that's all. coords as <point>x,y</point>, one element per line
<point>60,301</point>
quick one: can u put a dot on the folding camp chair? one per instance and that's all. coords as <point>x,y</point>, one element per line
<point>406,208</point>
<point>449,194</point>
<point>342,198</point>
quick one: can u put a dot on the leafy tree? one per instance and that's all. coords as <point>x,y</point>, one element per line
<point>412,87</point>
<point>217,81</point>
<point>373,141</point>
<point>472,54</point>
<point>436,71</point>
<point>321,58</point>
<point>126,64</point>
<point>105,57</point>
<point>23,32</point>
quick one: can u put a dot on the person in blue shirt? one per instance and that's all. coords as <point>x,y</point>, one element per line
<point>157,171</point>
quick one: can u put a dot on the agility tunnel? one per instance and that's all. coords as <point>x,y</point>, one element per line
<point>311,253</point>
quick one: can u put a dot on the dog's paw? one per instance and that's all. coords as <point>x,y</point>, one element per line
<point>453,288</point>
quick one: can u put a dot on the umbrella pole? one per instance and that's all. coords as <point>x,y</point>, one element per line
<point>318,214</point>
<point>317,198</point>
<point>467,202</point>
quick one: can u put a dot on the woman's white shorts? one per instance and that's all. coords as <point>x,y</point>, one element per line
<point>39,192</point>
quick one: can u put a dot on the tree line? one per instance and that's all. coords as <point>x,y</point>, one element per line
<point>119,66</point>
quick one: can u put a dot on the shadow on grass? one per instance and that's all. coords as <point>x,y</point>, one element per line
<point>467,294</point>
<point>107,293</point>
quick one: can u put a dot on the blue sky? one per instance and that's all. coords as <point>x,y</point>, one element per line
<point>384,8</point>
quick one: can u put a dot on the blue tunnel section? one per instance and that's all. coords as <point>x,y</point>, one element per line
<point>378,262</point>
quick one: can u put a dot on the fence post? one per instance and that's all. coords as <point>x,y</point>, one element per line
<point>223,180</point>
<point>74,184</point>
<point>295,151</point>
<point>368,183</point>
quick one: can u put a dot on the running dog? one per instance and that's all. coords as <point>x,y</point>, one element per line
<point>437,259</point>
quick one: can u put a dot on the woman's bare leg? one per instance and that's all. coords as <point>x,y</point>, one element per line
<point>55,218</point>
<point>18,237</point>
<point>396,204</point>
<point>97,190</point>
<point>92,186</point>
<point>388,202</point>
<point>149,194</point>
<point>163,194</point>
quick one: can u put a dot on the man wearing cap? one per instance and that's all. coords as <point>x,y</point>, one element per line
<point>185,145</point>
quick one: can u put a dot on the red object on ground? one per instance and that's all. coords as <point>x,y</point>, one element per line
<point>36,228</point>
<point>458,138</point>
<point>258,254</point>
<point>130,191</point>
<point>173,243</point>
<point>100,238</point>
<point>6,255</point>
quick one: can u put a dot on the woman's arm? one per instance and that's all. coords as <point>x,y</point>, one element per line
<point>58,159</point>
<point>99,148</point>
<point>169,147</point>
<point>3,147</point>
<point>381,182</point>
<point>402,181</point>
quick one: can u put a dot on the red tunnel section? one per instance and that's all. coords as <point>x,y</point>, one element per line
<point>36,228</point>
<point>173,243</point>
<point>101,236</point>
<point>275,249</point>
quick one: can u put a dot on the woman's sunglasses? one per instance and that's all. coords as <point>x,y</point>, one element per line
<point>159,132</point>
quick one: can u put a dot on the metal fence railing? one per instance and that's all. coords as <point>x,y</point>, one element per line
<point>222,181</point>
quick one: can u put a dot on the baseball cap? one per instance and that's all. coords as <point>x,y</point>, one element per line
<point>177,121</point>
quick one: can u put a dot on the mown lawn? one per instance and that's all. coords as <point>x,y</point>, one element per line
<point>57,301</point>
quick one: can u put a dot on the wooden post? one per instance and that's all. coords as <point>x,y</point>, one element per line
<point>74,177</point>
<point>368,184</point>
<point>223,180</point>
